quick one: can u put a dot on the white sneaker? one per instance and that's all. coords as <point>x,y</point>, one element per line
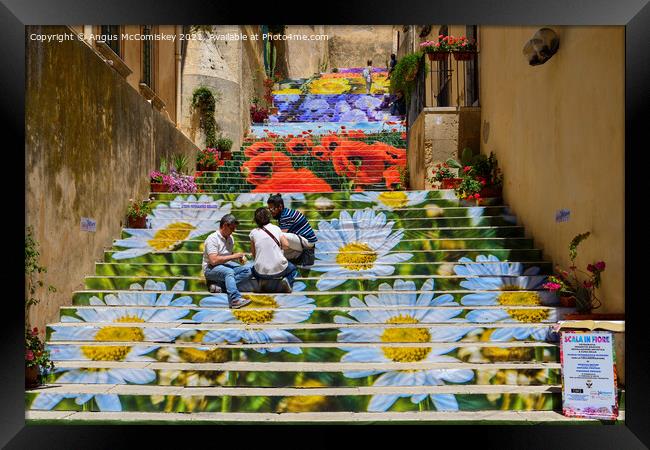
<point>213,288</point>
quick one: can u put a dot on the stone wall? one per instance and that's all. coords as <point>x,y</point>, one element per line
<point>437,135</point>
<point>305,57</point>
<point>558,131</point>
<point>233,70</point>
<point>353,45</point>
<point>90,142</point>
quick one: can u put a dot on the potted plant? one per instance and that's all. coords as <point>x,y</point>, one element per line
<point>208,160</point>
<point>37,359</point>
<point>37,362</point>
<point>224,145</point>
<point>156,177</point>
<point>136,214</point>
<point>463,48</point>
<point>258,113</point>
<point>180,183</point>
<point>402,78</point>
<point>437,50</point>
<point>181,163</point>
<point>572,291</point>
<point>443,175</point>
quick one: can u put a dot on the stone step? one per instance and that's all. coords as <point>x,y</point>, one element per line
<point>206,222</point>
<point>313,283</point>
<point>420,269</point>
<point>182,209</point>
<point>342,198</point>
<point>197,352</point>
<point>217,308</point>
<point>152,294</point>
<point>243,244</point>
<point>173,257</point>
<point>249,329</point>
<point>376,398</point>
<point>421,417</point>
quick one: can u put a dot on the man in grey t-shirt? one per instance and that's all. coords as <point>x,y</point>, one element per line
<point>219,262</point>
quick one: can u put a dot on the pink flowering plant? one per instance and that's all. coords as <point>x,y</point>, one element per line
<point>180,183</point>
<point>36,354</point>
<point>156,176</point>
<point>568,282</point>
<point>443,44</point>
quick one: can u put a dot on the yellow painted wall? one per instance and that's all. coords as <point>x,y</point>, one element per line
<point>558,132</point>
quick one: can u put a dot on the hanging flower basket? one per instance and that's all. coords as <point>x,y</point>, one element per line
<point>437,56</point>
<point>450,183</point>
<point>159,187</point>
<point>412,73</point>
<point>32,377</point>
<point>464,56</point>
<point>137,222</point>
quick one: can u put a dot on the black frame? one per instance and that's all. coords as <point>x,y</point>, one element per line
<point>634,14</point>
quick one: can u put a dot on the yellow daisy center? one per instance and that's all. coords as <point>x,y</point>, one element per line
<point>351,257</point>
<point>506,354</point>
<point>169,236</point>
<point>394,199</point>
<point>514,298</point>
<point>304,403</point>
<point>114,334</point>
<point>405,354</point>
<point>195,355</point>
<point>257,301</point>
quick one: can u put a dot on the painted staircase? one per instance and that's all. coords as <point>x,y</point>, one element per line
<point>420,306</point>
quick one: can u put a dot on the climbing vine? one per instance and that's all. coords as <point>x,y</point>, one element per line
<point>204,100</point>
<point>32,270</point>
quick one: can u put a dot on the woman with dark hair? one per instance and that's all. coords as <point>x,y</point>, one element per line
<point>267,244</point>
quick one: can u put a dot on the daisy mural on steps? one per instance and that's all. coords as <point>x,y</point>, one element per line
<point>356,246</point>
<point>392,354</point>
<point>507,284</point>
<point>171,225</point>
<point>276,308</point>
<point>108,333</point>
<point>391,200</point>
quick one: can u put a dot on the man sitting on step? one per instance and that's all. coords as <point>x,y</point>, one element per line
<point>294,226</point>
<point>219,262</point>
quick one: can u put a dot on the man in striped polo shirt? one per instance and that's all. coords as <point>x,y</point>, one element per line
<point>294,225</point>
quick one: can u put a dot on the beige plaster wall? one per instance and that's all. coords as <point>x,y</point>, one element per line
<point>304,57</point>
<point>353,45</point>
<point>558,132</point>
<point>90,142</point>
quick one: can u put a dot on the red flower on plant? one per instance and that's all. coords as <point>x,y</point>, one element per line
<point>35,331</point>
<point>263,166</point>
<point>331,142</point>
<point>301,180</point>
<point>391,175</point>
<point>360,162</point>
<point>600,265</point>
<point>403,135</point>
<point>29,355</point>
<point>356,134</point>
<point>394,156</point>
<point>299,146</point>
<point>321,153</point>
<point>258,148</point>
<point>467,169</point>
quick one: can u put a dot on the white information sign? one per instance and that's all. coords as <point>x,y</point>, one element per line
<point>588,375</point>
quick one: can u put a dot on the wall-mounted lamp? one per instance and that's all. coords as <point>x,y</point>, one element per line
<point>541,47</point>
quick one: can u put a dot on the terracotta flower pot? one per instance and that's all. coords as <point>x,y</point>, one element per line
<point>32,377</point>
<point>450,183</point>
<point>226,155</point>
<point>568,301</point>
<point>437,56</point>
<point>158,187</point>
<point>206,168</point>
<point>464,56</point>
<point>137,222</point>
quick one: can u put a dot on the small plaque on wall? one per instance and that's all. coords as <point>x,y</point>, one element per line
<point>88,224</point>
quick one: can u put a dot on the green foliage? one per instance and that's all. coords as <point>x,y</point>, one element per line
<point>573,245</point>
<point>181,163</point>
<point>36,354</point>
<point>467,156</point>
<point>488,169</point>
<point>204,100</point>
<point>139,208</point>
<point>164,167</point>
<point>32,271</point>
<point>224,144</point>
<point>403,77</point>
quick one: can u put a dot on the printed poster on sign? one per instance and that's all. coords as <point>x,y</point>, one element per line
<point>588,375</point>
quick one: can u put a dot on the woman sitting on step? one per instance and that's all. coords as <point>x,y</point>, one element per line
<point>271,268</point>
